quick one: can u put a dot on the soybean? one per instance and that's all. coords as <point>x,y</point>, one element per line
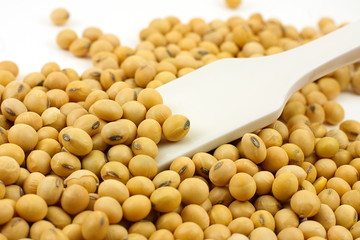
<point>59,16</point>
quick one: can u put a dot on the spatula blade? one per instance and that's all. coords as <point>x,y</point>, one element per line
<point>222,100</point>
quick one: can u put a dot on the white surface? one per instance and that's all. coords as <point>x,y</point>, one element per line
<point>27,35</point>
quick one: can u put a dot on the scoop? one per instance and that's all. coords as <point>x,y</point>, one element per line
<point>230,97</point>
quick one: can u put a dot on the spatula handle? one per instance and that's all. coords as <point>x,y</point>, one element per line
<point>325,54</point>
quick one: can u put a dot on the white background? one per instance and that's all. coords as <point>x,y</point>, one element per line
<point>27,36</point>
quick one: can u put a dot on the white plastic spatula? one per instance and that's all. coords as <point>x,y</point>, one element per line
<point>230,97</point>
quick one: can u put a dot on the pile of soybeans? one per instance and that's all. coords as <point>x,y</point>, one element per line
<point>78,150</point>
